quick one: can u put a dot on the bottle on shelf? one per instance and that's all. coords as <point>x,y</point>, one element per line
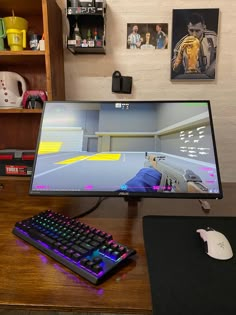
<point>90,40</point>
<point>97,40</point>
<point>77,36</point>
<point>95,34</point>
<point>89,34</point>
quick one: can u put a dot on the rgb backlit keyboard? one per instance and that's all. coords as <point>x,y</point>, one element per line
<point>88,251</point>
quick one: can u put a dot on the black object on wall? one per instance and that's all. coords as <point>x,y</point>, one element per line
<point>121,84</point>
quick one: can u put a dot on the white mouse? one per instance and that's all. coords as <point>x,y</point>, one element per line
<point>216,244</point>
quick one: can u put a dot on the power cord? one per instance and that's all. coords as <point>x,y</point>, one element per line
<point>97,204</point>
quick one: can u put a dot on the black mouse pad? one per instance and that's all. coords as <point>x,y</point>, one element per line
<point>184,280</point>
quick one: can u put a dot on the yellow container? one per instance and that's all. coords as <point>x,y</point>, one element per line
<point>15,22</point>
<point>16,28</point>
<point>16,39</point>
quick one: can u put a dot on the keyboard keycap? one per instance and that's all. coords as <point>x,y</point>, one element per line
<point>88,251</point>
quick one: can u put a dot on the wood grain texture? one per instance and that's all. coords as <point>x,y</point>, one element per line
<point>24,312</point>
<point>42,70</point>
<point>32,281</point>
<point>88,77</point>
<point>24,133</point>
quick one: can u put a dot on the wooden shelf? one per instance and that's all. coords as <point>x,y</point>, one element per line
<point>20,111</point>
<point>21,53</point>
<point>21,8</point>
<point>14,178</point>
<point>24,57</point>
<point>41,70</point>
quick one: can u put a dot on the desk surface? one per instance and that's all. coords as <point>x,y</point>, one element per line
<point>32,280</point>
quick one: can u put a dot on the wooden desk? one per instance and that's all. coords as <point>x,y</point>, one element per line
<point>32,281</point>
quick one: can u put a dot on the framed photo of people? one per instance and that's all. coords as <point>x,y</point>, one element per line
<point>194,44</point>
<point>147,36</point>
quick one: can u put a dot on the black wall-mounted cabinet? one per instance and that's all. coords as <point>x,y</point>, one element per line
<point>87,21</point>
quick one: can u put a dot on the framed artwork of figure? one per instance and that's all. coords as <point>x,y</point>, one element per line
<point>194,44</point>
<point>147,36</point>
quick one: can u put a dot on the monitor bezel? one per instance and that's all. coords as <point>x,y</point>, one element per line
<point>132,195</point>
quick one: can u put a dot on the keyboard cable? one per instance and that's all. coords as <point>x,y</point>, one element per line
<point>93,208</point>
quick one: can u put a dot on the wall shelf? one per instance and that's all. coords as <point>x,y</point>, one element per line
<point>86,50</point>
<point>87,18</point>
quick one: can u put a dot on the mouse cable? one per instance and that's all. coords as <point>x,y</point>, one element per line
<point>97,204</point>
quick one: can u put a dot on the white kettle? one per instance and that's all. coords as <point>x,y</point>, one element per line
<point>10,94</point>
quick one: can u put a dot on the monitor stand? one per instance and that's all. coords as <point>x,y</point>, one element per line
<point>132,201</point>
<point>132,205</point>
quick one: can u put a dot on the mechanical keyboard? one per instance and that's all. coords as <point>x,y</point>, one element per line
<point>88,251</point>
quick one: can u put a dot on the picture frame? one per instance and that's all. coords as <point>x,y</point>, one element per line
<point>147,36</point>
<point>194,44</point>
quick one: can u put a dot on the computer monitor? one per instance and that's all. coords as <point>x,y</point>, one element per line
<point>128,148</point>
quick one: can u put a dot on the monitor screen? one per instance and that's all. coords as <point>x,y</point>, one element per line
<point>127,148</point>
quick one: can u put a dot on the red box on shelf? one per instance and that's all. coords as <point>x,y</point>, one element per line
<point>16,162</point>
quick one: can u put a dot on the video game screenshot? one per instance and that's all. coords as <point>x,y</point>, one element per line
<point>145,147</point>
